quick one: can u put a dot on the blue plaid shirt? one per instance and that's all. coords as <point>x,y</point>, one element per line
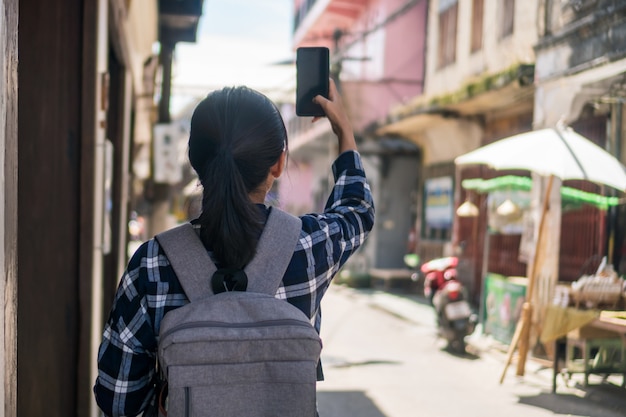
<point>149,289</point>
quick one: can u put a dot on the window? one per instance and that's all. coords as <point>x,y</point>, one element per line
<point>447,32</point>
<point>506,18</point>
<point>438,208</point>
<point>477,25</point>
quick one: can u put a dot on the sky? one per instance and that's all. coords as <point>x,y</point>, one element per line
<point>239,42</point>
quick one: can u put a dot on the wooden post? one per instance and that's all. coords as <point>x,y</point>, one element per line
<point>522,331</point>
<point>527,317</point>
<point>9,18</point>
<point>512,346</point>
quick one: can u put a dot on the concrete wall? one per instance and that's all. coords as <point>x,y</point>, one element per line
<point>141,29</point>
<point>495,55</point>
<point>448,139</point>
<point>581,58</point>
<point>395,189</point>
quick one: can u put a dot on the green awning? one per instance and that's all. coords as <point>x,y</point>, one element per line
<point>513,182</point>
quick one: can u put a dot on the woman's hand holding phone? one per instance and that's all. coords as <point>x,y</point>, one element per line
<point>335,112</point>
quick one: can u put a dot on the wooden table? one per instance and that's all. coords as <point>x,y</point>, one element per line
<point>603,334</point>
<point>602,344</point>
<point>612,324</point>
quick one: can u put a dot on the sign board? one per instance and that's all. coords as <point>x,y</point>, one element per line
<point>503,300</point>
<point>167,164</point>
<point>439,202</point>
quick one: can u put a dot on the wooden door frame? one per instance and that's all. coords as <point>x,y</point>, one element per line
<point>8,206</point>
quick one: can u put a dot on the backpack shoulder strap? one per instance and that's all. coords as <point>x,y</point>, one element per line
<point>194,268</point>
<point>191,262</point>
<point>274,252</point>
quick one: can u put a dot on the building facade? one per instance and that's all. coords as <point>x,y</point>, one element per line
<point>581,81</point>
<point>78,109</point>
<point>377,59</point>
<point>489,69</point>
<point>478,88</point>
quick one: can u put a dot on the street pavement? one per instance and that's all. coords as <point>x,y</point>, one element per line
<point>382,358</point>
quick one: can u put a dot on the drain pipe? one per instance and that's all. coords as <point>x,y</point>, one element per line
<point>99,155</point>
<point>615,237</point>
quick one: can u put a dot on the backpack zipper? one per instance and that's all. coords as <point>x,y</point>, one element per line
<point>187,404</point>
<point>219,324</point>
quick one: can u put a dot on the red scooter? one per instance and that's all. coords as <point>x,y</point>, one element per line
<point>448,296</point>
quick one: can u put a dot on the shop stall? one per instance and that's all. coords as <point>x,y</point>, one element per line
<point>587,326</point>
<point>551,155</point>
<point>585,317</point>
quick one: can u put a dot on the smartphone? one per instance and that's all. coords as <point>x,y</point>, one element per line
<point>312,73</point>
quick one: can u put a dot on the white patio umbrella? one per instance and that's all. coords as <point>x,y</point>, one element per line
<point>553,151</point>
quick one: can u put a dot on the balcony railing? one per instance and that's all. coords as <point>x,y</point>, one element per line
<point>302,132</point>
<point>301,13</point>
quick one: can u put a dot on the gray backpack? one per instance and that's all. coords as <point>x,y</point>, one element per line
<point>237,353</point>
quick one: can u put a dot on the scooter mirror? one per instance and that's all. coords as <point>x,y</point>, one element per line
<point>411,260</point>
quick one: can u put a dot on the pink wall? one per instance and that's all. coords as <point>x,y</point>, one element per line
<point>295,192</point>
<point>403,68</point>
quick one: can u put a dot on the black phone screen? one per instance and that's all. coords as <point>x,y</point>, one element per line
<point>312,72</point>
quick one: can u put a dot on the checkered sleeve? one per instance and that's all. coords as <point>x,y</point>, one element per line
<point>328,239</point>
<point>126,358</point>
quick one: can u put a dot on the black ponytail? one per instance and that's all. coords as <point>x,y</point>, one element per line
<point>237,135</point>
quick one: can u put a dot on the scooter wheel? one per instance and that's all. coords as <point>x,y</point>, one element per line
<point>458,345</point>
